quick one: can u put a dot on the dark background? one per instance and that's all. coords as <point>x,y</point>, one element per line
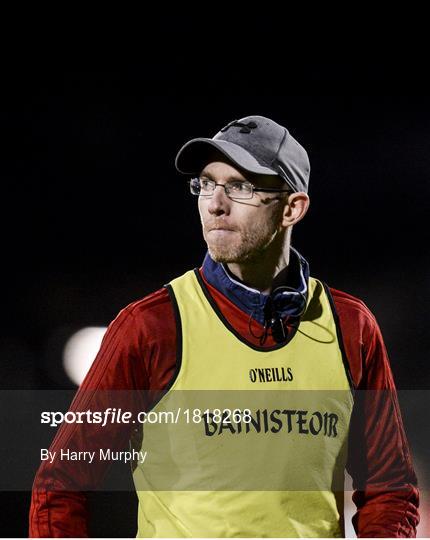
<point>95,216</point>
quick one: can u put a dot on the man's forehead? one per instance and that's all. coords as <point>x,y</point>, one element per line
<point>221,167</point>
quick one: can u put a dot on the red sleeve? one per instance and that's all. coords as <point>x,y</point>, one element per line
<point>380,464</point>
<point>138,352</point>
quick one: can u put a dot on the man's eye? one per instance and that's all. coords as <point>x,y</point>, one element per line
<point>204,183</point>
<point>239,186</point>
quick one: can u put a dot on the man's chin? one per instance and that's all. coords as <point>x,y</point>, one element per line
<point>223,256</point>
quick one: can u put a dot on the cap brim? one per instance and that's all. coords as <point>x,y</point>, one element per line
<point>196,154</point>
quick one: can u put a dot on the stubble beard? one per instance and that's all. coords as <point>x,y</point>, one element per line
<point>250,246</point>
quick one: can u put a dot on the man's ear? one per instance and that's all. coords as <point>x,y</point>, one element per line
<point>296,208</point>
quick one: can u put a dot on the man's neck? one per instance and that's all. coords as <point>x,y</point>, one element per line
<point>264,274</point>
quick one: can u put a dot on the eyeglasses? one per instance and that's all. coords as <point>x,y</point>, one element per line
<point>234,189</point>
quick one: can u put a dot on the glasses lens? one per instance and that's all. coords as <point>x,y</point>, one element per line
<point>234,189</point>
<point>206,186</point>
<point>239,190</point>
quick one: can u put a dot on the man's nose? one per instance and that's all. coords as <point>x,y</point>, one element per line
<point>219,202</point>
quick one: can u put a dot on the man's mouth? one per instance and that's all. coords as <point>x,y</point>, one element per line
<point>220,228</point>
<point>221,231</point>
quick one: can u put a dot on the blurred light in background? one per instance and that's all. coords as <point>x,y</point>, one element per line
<point>80,351</point>
<point>350,508</point>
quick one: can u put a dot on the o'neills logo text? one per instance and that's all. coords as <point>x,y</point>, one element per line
<point>271,374</point>
<point>264,421</point>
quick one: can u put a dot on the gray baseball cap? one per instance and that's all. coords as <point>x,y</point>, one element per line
<point>257,145</point>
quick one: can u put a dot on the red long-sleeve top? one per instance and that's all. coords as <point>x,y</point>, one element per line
<point>138,352</point>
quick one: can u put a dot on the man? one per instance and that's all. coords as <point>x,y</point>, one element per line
<point>250,318</point>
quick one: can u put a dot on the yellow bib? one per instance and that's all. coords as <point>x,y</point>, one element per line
<point>249,442</point>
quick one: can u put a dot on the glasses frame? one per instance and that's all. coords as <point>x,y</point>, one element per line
<point>225,186</point>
